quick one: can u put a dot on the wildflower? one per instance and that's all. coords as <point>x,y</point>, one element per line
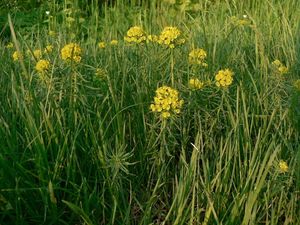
<point>152,38</point>
<point>71,52</point>
<point>48,49</point>
<point>42,66</point>
<point>135,34</point>
<point>283,166</point>
<point>114,42</point>
<point>37,53</point>
<point>170,36</point>
<point>280,67</point>
<point>195,84</point>
<point>17,56</point>
<point>9,45</point>
<point>101,44</point>
<point>166,102</point>
<point>296,84</point>
<point>198,56</point>
<point>224,78</point>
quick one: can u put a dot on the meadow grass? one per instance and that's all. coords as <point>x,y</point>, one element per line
<point>80,144</point>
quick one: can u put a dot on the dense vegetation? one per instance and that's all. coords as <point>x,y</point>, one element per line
<point>150,112</point>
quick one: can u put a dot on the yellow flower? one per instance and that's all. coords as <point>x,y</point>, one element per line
<point>17,56</point>
<point>71,52</point>
<point>135,34</point>
<point>101,44</point>
<point>195,84</point>
<point>114,42</point>
<point>279,67</point>
<point>166,102</point>
<point>170,36</point>
<point>9,45</point>
<point>224,78</point>
<point>283,166</point>
<point>152,38</point>
<point>42,66</point>
<point>48,49</point>
<point>37,53</point>
<point>197,56</point>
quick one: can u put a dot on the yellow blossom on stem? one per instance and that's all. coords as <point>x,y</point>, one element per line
<point>279,67</point>
<point>37,53</point>
<point>152,38</point>
<point>101,44</point>
<point>196,84</point>
<point>283,166</point>
<point>48,49</point>
<point>197,57</point>
<point>114,42</point>
<point>17,56</point>
<point>224,78</point>
<point>166,102</point>
<point>42,66</point>
<point>170,37</point>
<point>135,35</point>
<point>71,52</point>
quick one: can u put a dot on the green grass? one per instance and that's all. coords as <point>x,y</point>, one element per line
<point>77,148</point>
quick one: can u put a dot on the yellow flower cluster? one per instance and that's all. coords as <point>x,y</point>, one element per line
<point>71,52</point>
<point>42,66</point>
<point>280,68</point>
<point>283,166</point>
<point>152,38</point>
<point>197,56</point>
<point>37,53</point>
<point>48,49</point>
<point>114,42</point>
<point>170,36</point>
<point>101,44</point>
<point>17,56</point>
<point>135,34</point>
<point>166,102</point>
<point>224,78</point>
<point>196,84</point>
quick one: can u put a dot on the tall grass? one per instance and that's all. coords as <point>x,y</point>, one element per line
<point>79,148</point>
